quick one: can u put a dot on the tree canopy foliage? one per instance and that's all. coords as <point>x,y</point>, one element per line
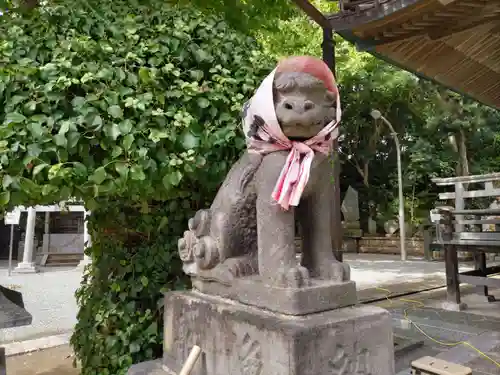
<point>120,100</point>
<point>132,107</point>
<point>442,133</point>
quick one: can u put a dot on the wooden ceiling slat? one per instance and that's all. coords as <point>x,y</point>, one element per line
<point>467,59</point>
<point>423,6</point>
<point>494,88</point>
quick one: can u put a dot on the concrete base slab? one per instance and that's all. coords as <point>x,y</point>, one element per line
<point>320,296</point>
<point>26,268</point>
<point>239,339</point>
<point>27,346</point>
<point>487,343</point>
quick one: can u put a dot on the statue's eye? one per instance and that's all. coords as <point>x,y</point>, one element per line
<point>330,99</point>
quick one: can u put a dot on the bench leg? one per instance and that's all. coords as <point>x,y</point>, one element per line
<point>480,260</point>
<point>3,362</point>
<point>452,280</point>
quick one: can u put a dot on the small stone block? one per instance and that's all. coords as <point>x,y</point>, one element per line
<point>237,339</point>
<point>148,368</point>
<point>320,296</point>
<point>434,366</point>
<point>451,306</point>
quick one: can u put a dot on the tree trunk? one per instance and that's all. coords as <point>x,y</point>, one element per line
<point>453,142</point>
<point>462,153</point>
<point>458,142</point>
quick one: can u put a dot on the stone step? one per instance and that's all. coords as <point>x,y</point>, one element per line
<point>62,259</point>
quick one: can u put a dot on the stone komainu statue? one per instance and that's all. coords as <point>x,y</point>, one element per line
<point>249,230</point>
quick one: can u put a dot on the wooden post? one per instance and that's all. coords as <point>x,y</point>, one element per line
<point>3,364</point>
<point>329,59</point>
<point>459,205</point>
<point>451,261</point>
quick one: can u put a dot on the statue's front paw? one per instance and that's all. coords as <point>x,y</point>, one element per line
<point>347,272</point>
<point>206,253</point>
<point>295,277</point>
<point>336,271</point>
<point>186,245</point>
<point>200,223</point>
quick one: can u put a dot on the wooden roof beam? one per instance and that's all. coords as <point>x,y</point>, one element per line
<point>436,30</point>
<point>313,12</point>
<point>439,33</point>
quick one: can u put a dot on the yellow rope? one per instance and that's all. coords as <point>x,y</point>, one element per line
<point>418,304</point>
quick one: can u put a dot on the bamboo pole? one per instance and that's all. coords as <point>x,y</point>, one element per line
<point>191,360</point>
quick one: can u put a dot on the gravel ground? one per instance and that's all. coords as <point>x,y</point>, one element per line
<point>370,270</point>
<point>49,295</point>
<point>54,361</point>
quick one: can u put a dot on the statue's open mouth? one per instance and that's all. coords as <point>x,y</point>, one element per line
<point>298,139</point>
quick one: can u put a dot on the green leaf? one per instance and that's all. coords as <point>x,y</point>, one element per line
<point>73,138</point>
<point>28,186</point>
<point>144,281</point>
<point>144,75</point>
<point>136,173</point>
<point>203,102</point>
<point>201,55</point>
<point>127,141</point>
<point>200,161</point>
<point>122,169</point>
<point>7,181</point>
<point>145,209</point>
<point>36,128</point>
<point>54,171</point>
<point>152,330</point>
<point>34,150</point>
<point>78,101</point>
<point>112,131</point>
<point>64,127</point>
<point>17,99</point>
<point>117,151</point>
<point>4,198</point>
<point>134,347</point>
<point>157,135</point>
<point>99,175</point>
<point>189,141</point>
<point>97,121</point>
<point>196,74</point>
<point>115,112</point>
<point>49,189</point>
<point>65,192</point>
<point>163,223</point>
<point>38,168</point>
<point>172,179</point>
<point>125,126</point>
<point>15,117</point>
<point>79,169</point>
<point>60,140</point>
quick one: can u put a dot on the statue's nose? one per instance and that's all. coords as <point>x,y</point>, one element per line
<point>298,106</point>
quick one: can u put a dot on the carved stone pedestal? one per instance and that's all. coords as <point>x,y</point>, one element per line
<point>319,296</point>
<point>237,339</point>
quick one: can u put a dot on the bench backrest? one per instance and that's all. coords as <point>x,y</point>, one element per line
<point>469,223</point>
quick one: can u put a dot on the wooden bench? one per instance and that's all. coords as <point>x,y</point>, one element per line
<point>461,229</point>
<point>479,243</point>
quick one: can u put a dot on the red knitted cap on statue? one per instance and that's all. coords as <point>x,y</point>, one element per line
<point>310,65</point>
